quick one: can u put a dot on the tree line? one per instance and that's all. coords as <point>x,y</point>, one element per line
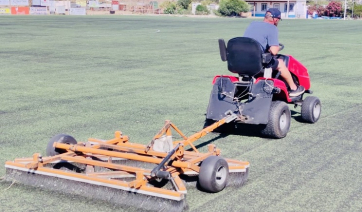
<point>226,7</point>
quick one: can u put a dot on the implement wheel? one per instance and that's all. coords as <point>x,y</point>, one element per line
<point>279,120</point>
<point>214,173</point>
<point>311,109</point>
<point>61,138</point>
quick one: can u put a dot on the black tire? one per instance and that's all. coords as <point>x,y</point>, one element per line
<point>279,120</point>
<point>311,109</point>
<point>214,174</point>
<point>61,138</point>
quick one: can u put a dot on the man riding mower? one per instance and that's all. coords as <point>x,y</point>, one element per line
<point>259,95</point>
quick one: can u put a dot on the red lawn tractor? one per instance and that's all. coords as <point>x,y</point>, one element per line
<point>258,95</point>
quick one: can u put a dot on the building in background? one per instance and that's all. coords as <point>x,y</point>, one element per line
<point>297,8</point>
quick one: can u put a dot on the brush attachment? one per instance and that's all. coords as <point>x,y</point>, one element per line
<point>122,198</point>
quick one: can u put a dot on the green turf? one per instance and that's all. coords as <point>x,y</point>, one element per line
<point>90,76</point>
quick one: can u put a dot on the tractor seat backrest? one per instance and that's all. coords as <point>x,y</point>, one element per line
<point>243,55</point>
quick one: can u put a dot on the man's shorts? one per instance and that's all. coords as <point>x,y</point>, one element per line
<point>274,63</point>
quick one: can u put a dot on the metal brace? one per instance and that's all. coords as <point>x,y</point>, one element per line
<point>230,116</point>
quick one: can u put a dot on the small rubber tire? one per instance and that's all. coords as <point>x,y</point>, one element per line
<point>279,120</point>
<point>214,174</point>
<point>311,109</point>
<point>61,138</point>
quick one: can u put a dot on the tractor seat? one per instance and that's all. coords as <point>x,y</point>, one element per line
<point>244,56</point>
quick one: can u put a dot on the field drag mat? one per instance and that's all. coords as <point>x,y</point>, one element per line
<point>91,190</point>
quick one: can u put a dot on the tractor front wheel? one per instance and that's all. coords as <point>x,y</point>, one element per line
<point>311,109</point>
<point>279,120</point>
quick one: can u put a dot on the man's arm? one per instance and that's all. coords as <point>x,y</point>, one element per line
<point>273,40</point>
<point>274,50</point>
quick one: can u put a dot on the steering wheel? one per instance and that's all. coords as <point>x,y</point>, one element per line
<point>281,46</point>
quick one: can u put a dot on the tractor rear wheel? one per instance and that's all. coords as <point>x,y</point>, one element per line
<point>214,173</point>
<point>61,138</point>
<point>279,120</point>
<point>311,109</point>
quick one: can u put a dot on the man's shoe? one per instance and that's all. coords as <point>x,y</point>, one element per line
<point>300,90</point>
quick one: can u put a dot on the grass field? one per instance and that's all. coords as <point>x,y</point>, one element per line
<point>90,76</point>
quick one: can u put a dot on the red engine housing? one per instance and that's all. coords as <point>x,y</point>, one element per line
<point>300,71</point>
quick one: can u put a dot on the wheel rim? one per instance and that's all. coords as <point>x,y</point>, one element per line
<point>283,121</point>
<point>316,111</point>
<point>220,176</point>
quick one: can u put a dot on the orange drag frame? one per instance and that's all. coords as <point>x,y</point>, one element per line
<point>173,163</point>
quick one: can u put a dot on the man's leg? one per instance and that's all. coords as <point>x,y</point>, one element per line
<point>284,72</point>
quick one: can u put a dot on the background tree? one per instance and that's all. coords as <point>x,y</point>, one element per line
<point>202,10</point>
<point>212,1</point>
<point>357,10</point>
<point>207,2</point>
<point>333,9</point>
<point>184,4</point>
<point>232,7</point>
<point>168,7</point>
<point>319,9</point>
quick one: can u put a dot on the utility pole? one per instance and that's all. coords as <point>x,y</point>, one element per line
<point>288,9</point>
<point>345,9</point>
<point>254,8</point>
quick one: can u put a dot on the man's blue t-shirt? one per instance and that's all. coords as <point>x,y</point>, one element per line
<point>266,34</point>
